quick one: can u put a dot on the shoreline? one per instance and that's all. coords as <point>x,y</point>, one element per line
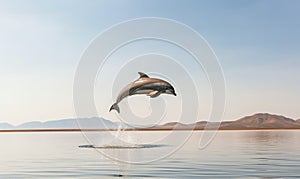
<point>139,129</point>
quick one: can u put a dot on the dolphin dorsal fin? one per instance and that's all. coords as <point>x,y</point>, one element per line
<point>143,75</point>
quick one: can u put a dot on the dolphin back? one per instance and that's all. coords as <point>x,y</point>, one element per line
<point>115,107</point>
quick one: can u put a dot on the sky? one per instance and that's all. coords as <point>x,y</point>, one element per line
<point>41,42</point>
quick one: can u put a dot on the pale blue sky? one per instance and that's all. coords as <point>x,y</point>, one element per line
<point>257,43</point>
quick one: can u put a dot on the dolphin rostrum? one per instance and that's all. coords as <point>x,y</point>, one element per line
<point>153,87</point>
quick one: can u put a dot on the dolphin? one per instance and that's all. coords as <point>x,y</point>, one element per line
<point>152,87</point>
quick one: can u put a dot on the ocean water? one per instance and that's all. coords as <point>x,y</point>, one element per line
<point>231,154</point>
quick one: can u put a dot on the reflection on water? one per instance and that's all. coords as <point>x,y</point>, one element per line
<point>232,154</point>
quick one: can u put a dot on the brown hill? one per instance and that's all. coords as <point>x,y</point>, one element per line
<point>262,120</point>
<point>180,126</point>
<point>256,121</point>
<point>173,125</point>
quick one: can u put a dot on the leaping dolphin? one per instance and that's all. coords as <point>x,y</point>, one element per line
<point>153,87</point>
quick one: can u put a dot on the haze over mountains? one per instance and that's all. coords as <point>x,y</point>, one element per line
<point>256,121</point>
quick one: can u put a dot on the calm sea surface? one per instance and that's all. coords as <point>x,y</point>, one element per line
<point>232,154</point>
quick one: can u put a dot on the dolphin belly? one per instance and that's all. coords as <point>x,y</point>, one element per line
<point>143,91</point>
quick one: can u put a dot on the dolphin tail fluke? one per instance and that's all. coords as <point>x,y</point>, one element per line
<point>115,107</point>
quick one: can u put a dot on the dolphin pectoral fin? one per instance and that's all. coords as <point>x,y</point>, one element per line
<point>143,75</point>
<point>154,94</point>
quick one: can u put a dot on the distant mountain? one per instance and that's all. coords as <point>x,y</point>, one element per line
<point>256,121</point>
<point>5,125</point>
<point>81,123</point>
<point>174,125</point>
<point>177,125</point>
<point>261,120</point>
